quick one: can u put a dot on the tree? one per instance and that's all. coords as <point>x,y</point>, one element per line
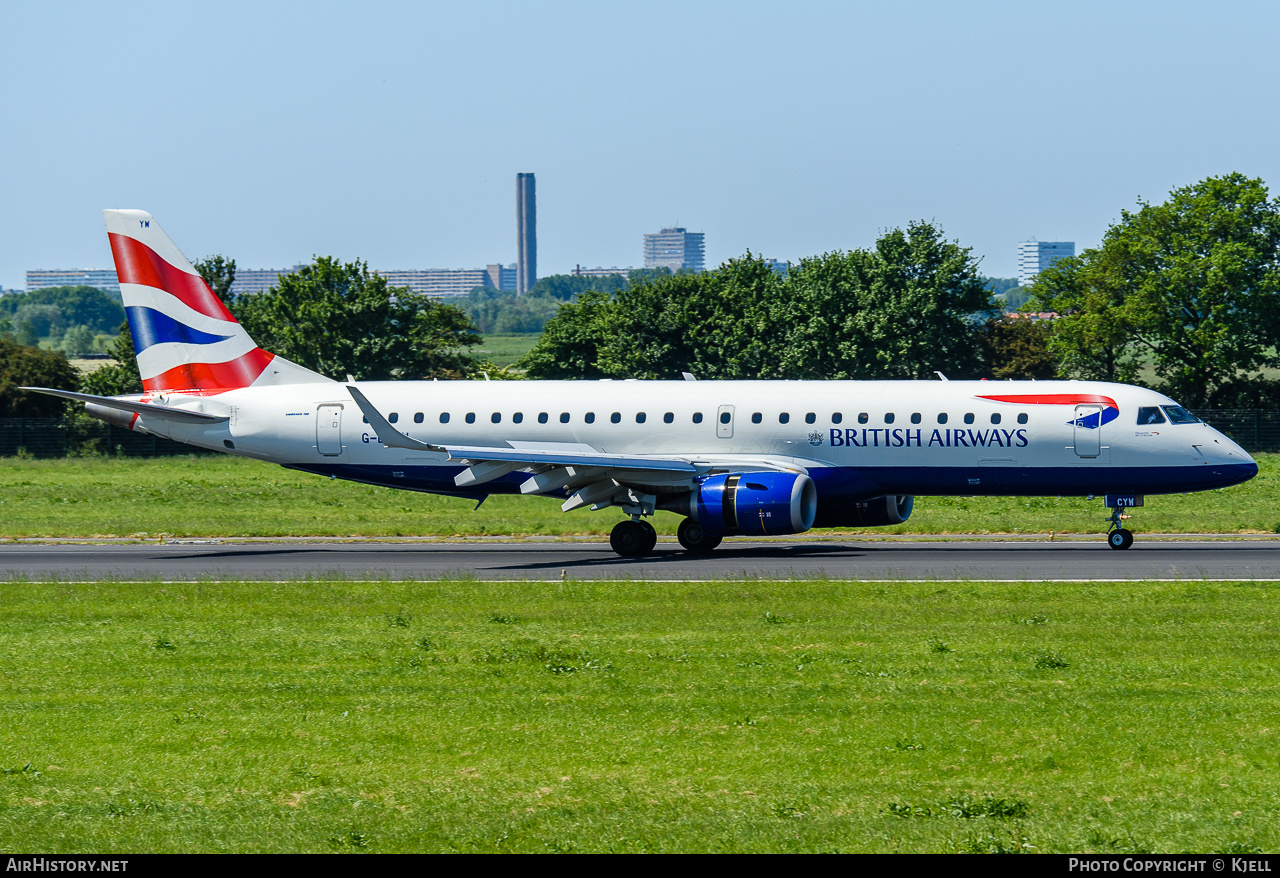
<point>904,309</point>
<point>341,319</point>
<point>1092,337</point>
<point>901,310</point>
<point>26,366</point>
<point>97,309</point>
<point>219,273</point>
<point>119,378</point>
<point>570,343</point>
<point>1193,284</point>
<point>1018,349</point>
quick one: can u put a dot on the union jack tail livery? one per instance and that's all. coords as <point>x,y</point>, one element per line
<point>184,337</point>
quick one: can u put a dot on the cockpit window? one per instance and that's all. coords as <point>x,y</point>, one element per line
<point>1178,415</point>
<point>1150,415</point>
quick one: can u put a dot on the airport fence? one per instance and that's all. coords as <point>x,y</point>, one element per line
<point>78,435</point>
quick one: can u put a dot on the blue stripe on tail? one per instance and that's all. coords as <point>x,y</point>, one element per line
<point>151,327</point>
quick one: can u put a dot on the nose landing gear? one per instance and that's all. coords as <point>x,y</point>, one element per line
<point>1117,536</point>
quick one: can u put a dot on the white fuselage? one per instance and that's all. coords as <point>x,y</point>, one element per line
<point>856,439</point>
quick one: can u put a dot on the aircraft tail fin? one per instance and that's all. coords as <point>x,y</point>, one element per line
<point>185,339</point>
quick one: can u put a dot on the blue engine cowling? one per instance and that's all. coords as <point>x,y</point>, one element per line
<point>755,503</point>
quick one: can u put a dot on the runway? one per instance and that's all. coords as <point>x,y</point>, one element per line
<point>845,559</point>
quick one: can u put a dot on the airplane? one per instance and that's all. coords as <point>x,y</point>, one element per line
<point>734,458</point>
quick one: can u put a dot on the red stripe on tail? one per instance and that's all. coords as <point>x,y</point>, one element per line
<point>136,263</point>
<point>231,375</point>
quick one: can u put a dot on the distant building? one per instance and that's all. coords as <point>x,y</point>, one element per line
<point>1035,256</point>
<point>256,280</point>
<point>674,249</point>
<point>526,233</point>
<point>780,268</point>
<point>102,278</point>
<point>579,271</point>
<point>440,281</point>
<point>503,277</point>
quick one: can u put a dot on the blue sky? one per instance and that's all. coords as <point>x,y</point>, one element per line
<point>392,132</point>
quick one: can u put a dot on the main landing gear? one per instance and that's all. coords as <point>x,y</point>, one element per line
<point>636,537</point>
<point>695,539</point>
<point>633,537</point>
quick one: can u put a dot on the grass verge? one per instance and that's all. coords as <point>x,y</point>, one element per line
<point>615,716</point>
<point>225,496</point>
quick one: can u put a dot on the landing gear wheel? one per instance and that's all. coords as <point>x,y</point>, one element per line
<point>651,537</point>
<point>694,538</point>
<point>632,538</point>
<point>1120,538</point>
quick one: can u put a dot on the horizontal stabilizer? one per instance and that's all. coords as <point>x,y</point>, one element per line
<point>149,409</point>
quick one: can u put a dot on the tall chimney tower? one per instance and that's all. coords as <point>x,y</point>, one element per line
<point>526,234</point>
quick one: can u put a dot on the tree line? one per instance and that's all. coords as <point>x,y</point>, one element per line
<point>1180,295</point>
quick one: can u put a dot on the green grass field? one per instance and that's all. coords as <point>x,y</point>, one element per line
<point>625,716</point>
<point>225,496</point>
<point>504,350</point>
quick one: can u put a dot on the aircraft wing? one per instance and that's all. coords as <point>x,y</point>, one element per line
<point>593,477</point>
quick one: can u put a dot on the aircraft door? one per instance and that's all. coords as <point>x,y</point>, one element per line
<point>1088,431</point>
<point>329,430</point>
<point>724,422</point>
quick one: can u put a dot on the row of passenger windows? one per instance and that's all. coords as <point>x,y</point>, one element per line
<point>725,417</point>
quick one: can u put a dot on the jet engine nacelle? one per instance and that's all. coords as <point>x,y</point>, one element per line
<point>755,503</point>
<point>875,512</point>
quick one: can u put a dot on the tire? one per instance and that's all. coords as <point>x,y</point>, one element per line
<point>695,539</point>
<point>651,537</point>
<point>629,538</point>
<point>1120,539</point>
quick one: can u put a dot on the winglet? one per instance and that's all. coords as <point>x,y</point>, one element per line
<point>387,434</point>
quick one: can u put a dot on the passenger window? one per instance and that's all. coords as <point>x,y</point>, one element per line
<point>669,418</point>
<point>888,419</point>
<point>756,417</point>
<point>616,418</point>
<point>697,417</point>
<point>810,418</point>
<point>496,418</point>
<point>366,420</point>
<point>863,417</point>
<point>542,417</point>
<point>564,417</point>
<point>640,418</point>
<point>471,417</point>
<point>968,417</point>
<point>444,417</point>
<point>915,417</point>
<point>995,417</point>
<point>1022,417</point>
<point>836,417</point>
<point>724,417</point>
<point>517,418</point>
<point>783,418</point>
<point>1150,415</point>
<point>942,418</point>
<point>394,416</point>
<point>417,418</point>
<point>590,417</point>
